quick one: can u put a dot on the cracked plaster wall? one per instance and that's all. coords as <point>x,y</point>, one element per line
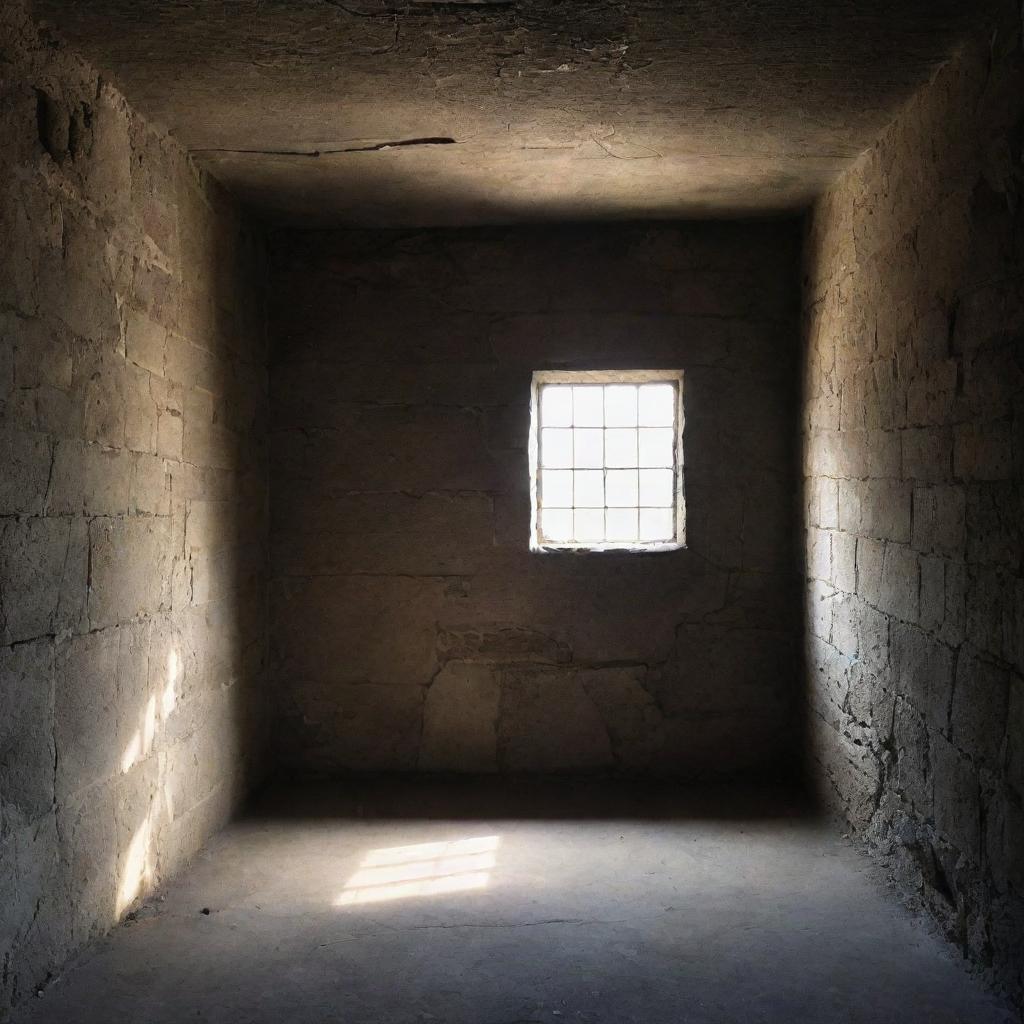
<point>412,629</point>
<point>132,506</point>
<point>913,459</point>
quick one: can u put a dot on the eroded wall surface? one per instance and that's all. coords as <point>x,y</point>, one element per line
<point>914,451</point>
<point>132,506</point>
<point>412,629</point>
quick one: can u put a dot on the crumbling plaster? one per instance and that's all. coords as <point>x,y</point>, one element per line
<point>132,505</point>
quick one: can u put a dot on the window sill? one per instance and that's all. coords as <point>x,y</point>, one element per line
<point>624,548</point>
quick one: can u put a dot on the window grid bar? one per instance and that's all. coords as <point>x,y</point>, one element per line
<point>605,469</point>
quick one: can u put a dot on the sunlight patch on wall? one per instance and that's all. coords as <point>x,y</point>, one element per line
<point>137,873</point>
<point>170,694</point>
<point>142,739</point>
<point>424,869</point>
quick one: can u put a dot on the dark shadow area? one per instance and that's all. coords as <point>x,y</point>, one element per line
<point>527,798</point>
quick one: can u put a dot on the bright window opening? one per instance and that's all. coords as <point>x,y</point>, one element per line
<point>606,460</point>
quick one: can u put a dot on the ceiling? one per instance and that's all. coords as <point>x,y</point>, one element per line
<point>416,112</point>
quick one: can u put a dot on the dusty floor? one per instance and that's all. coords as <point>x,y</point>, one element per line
<point>468,905</point>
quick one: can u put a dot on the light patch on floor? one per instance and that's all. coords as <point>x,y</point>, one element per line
<point>422,869</point>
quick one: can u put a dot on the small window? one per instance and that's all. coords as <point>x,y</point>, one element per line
<point>606,460</point>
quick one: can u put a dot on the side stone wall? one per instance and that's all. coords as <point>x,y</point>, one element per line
<point>132,506</point>
<point>412,629</point>
<point>913,463</point>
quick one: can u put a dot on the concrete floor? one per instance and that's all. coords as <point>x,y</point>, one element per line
<point>466,904</point>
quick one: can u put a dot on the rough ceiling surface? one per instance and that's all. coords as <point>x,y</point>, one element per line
<point>411,113</point>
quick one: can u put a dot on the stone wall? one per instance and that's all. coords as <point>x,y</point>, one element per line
<point>132,506</point>
<point>913,459</point>
<point>412,629</point>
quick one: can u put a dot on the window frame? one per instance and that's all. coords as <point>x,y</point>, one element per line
<point>604,377</point>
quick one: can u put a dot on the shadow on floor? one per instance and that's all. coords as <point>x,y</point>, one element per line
<point>522,901</point>
<point>523,798</point>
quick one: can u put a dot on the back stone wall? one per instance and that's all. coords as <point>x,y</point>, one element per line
<point>412,629</point>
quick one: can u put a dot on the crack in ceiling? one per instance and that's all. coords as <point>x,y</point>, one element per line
<point>497,111</point>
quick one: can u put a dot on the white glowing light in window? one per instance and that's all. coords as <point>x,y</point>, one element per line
<point>424,869</point>
<point>606,460</point>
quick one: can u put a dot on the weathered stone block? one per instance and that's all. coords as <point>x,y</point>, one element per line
<point>145,342</point>
<point>169,426</point>
<point>979,713</point>
<point>989,609</point>
<point>844,562</point>
<point>100,375</point>
<point>90,734</point>
<point>846,625</point>
<point>912,757</point>
<point>957,797</point>
<point>129,562</point>
<point>928,455</point>
<point>635,722</point>
<point>27,752</point>
<point>874,636</point>
<point>89,479</point>
<point>331,615</point>
<point>391,533</point>
<point>34,916</point>
<point>82,296</point>
<point>820,601</point>
<point>141,410</point>
<point>923,669</point>
<point>42,351</point>
<point>721,670</point>
<point>1004,835</point>
<point>819,554</point>
<point>851,772</point>
<point>530,700</point>
<point>827,492</point>
<point>460,720</point>
<point>43,565</point>
<point>877,508</point>
<point>931,394</point>
<point>939,519</point>
<point>26,459</point>
<point>205,440</point>
<point>356,726</point>
<point>983,451</point>
<point>995,523</point>
<point>499,642</point>
<point>88,861</point>
<point>149,492</point>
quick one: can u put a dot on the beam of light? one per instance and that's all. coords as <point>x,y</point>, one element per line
<point>137,872</point>
<point>430,851</point>
<point>420,869</point>
<point>141,743</point>
<point>403,890</point>
<point>424,869</point>
<point>170,695</point>
<point>131,751</point>
<point>149,726</point>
